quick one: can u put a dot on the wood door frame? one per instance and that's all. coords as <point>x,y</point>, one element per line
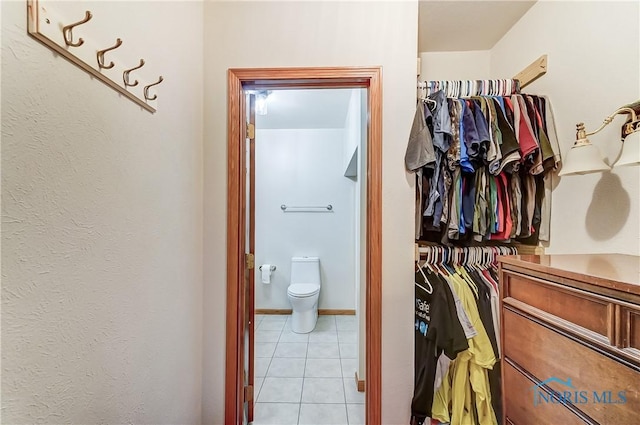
<point>332,77</point>
<point>250,290</point>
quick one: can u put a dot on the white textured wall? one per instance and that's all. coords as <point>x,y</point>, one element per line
<point>463,65</point>
<point>268,34</point>
<point>304,167</point>
<point>102,228</point>
<point>594,67</point>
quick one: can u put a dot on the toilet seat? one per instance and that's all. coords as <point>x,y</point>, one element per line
<point>303,290</point>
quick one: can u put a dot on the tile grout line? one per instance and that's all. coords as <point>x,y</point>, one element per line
<point>306,358</point>
<point>304,374</point>
<point>344,389</point>
<point>264,378</point>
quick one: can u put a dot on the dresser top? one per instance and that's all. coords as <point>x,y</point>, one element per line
<point>615,271</point>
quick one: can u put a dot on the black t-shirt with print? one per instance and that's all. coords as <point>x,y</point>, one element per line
<point>435,330</point>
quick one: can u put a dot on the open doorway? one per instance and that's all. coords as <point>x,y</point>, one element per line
<point>240,388</point>
<point>309,216</point>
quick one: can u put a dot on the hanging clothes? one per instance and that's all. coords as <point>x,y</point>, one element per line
<point>488,178</point>
<point>437,331</point>
<point>420,156</point>
<point>467,390</point>
<point>459,384</point>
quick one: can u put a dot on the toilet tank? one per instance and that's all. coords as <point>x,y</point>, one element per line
<point>305,270</point>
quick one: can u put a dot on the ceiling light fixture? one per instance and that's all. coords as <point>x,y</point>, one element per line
<point>261,102</point>
<point>584,158</point>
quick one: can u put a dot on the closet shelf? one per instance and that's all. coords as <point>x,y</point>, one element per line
<point>352,167</point>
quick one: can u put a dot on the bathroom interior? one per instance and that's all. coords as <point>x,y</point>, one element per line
<point>310,200</point>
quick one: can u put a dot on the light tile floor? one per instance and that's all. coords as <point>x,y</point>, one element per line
<point>307,378</point>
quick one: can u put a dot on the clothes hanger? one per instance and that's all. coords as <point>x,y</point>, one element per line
<point>430,290</point>
<point>429,102</point>
<point>429,259</point>
<point>475,258</point>
<point>468,258</point>
<point>436,260</point>
<point>448,262</point>
<point>466,277</point>
<point>465,262</point>
<point>424,95</point>
<point>441,260</point>
<point>424,289</point>
<point>486,258</point>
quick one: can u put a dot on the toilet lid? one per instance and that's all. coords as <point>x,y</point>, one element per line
<point>303,289</point>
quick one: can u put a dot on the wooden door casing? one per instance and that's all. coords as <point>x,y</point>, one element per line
<point>345,77</point>
<point>250,290</point>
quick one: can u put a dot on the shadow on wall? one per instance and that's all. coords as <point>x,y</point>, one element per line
<point>609,208</point>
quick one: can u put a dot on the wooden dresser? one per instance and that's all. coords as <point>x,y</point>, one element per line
<point>570,339</point>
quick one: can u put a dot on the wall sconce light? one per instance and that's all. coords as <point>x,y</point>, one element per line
<point>584,158</point>
<point>261,102</point>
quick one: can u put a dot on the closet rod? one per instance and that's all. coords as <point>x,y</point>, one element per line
<point>469,88</point>
<point>522,249</point>
<point>473,255</point>
<point>527,76</point>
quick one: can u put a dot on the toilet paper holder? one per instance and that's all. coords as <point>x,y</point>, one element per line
<point>272,268</point>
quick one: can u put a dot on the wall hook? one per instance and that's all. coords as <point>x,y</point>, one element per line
<point>100,55</point>
<point>67,31</point>
<point>125,75</point>
<point>146,89</point>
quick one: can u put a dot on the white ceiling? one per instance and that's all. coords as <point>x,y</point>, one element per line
<point>315,108</point>
<point>466,25</point>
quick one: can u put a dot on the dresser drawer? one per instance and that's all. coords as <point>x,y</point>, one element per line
<point>520,408</point>
<point>631,330</point>
<point>578,307</point>
<point>599,384</point>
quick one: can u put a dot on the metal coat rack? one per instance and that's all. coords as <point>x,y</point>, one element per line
<point>101,62</point>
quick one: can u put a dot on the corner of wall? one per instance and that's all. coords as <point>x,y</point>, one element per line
<point>460,65</point>
<point>602,35</point>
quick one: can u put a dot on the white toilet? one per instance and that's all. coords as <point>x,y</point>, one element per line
<point>303,293</point>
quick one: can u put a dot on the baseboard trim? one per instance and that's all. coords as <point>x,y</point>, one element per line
<point>359,384</point>
<point>321,311</point>
<point>273,311</point>
<point>334,312</point>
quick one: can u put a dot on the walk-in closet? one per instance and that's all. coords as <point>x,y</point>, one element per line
<point>508,327</point>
